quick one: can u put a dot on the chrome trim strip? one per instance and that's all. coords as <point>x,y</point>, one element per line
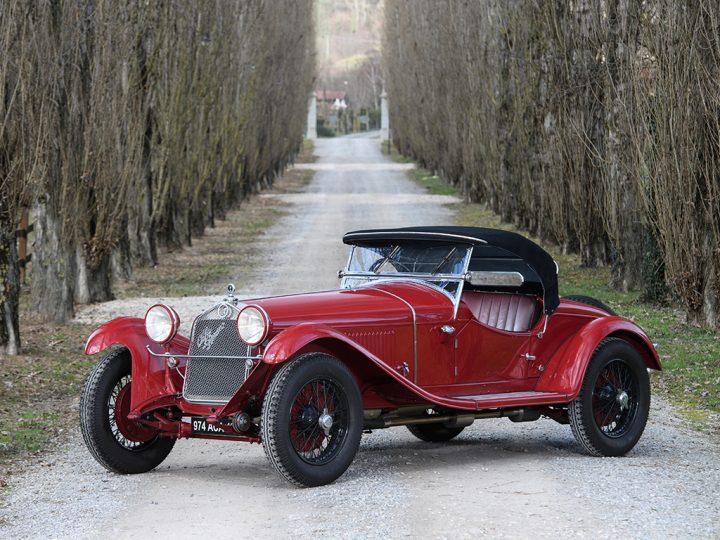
<point>458,294</point>
<point>347,265</point>
<point>541,333</point>
<point>409,280</point>
<point>172,355</point>
<point>414,275</point>
<point>496,278</point>
<point>438,234</point>
<point>412,309</point>
<point>202,401</point>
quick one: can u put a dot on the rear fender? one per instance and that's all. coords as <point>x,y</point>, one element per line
<point>564,373</point>
<point>152,379</point>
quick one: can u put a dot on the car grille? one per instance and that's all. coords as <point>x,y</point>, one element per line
<point>210,378</point>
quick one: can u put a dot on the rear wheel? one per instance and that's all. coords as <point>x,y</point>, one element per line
<point>609,415</point>
<point>590,301</point>
<point>119,444</point>
<point>312,420</point>
<point>434,432</point>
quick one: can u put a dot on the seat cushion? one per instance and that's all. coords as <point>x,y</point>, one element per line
<point>511,312</point>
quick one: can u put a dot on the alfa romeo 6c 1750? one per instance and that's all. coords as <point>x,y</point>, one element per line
<point>432,328</point>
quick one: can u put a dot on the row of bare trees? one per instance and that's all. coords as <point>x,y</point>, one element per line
<point>129,125</point>
<point>595,125</point>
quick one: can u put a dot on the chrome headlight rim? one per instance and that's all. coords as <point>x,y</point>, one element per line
<point>173,321</point>
<point>254,338</point>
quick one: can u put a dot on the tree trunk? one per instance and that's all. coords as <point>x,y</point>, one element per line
<point>92,282</point>
<point>120,259</point>
<point>711,302</point>
<point>622,204</point>
<point>53,270</point>
<point>141,227</point>
<point>9,286</point>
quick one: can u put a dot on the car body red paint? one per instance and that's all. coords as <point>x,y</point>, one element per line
<point>408,345</point>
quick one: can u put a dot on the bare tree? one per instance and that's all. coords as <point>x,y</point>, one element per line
<point>591,124</point>
<point>131,125</point>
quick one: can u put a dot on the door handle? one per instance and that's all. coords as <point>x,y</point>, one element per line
<point>447,329</point>
<point>529,357</point>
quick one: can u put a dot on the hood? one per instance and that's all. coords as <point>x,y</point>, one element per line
<point>379,304</point>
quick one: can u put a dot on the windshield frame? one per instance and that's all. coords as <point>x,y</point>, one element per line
<point>427,279</point>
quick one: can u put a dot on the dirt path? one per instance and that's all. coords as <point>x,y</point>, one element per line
<point>498,478</point>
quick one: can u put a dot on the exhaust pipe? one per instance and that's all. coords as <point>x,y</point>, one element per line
<point>450,420</point>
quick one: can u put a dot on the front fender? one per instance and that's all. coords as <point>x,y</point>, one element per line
<point>291,341</point>
<point>564,373</point>
<point>152,380</point>
<point>130,332</point>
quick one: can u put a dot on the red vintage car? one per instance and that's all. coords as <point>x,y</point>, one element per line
<point>432,328</point>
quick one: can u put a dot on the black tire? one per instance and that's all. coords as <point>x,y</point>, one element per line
<point>295,444</point>
<point>603,421</point>
<point>590,301</point>
<point>139,452</point>
<point>434,432</point>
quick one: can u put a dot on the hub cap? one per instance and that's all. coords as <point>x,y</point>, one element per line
<point>326,422</point>
<point>623,400</point>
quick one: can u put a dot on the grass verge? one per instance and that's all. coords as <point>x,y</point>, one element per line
<point>39,389</point>
<point>690,355</point>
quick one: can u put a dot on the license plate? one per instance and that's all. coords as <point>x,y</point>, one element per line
<point>201,425</point>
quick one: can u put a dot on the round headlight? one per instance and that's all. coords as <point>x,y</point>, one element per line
<point>252,325</point>
<point>161,323</point>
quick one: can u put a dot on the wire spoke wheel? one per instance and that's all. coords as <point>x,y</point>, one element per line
<point>610,412</point>
<point>118,443</point>
<point>613,401</point>
<point>312,420</point>
<point>128,434</point>
<point>319,404</point>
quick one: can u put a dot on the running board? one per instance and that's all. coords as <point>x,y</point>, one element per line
<point>511,399</point>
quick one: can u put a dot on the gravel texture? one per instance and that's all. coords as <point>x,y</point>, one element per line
<point>497,478</point>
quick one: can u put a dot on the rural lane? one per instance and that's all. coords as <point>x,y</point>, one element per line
<point>497,479</point>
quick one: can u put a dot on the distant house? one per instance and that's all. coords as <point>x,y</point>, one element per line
<point>329,102</point>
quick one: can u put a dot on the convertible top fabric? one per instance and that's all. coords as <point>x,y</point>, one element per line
<point>533,255</point>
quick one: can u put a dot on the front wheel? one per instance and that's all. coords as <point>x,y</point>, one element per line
<point>609,415</point>
<point>116,442</point>
<point>312,420</point>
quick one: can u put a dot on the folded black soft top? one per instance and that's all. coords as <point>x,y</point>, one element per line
<point>533,255</point>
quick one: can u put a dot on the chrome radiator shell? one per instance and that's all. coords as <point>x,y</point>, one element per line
<point>218,360</point>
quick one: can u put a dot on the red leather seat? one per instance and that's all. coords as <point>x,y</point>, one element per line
<point>511,312</point>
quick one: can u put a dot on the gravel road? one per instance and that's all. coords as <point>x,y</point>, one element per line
<point>497,479</point>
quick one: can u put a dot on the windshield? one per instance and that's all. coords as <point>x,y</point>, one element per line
<point>442,266</point>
